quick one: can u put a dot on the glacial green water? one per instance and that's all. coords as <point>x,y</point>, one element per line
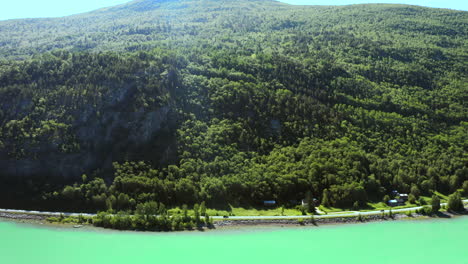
<point>434,241</point>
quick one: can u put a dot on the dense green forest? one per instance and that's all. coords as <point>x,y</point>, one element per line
<point>232,102</point>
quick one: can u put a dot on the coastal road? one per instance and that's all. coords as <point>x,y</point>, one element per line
<point>331,215</point>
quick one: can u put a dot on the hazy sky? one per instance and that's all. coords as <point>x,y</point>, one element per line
<point>10,9</point>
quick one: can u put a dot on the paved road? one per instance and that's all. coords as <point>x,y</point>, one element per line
<point>331,215</point>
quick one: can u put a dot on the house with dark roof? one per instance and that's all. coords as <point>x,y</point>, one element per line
<point>404,197</point>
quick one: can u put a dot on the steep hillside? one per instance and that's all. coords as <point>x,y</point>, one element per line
<point>232,102</point>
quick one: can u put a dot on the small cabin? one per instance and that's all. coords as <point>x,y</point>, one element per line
<point>269,203</point>
<point>404,197</point>
<point>393,202</point>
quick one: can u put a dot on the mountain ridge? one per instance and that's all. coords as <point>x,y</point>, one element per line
<point>21,38</point>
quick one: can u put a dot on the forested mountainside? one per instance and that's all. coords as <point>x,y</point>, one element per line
<point>232,102</point>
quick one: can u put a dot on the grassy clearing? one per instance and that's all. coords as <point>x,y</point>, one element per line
<point>378,206</point>
<point>239,211</point>
<point>330,209</point>
<point>443,197</point>
<point>383,206</point>
<point>266,212</point>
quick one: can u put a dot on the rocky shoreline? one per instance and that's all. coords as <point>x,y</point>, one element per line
<point>30,217</point>
<point>334,220</point>
<point>315,222</point>
<point>40,219</point>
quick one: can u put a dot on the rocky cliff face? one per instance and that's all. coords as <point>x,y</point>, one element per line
<point>52,135</point>
<point>115,135</point>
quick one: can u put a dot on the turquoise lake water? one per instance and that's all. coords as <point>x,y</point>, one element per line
<point>426,241</point>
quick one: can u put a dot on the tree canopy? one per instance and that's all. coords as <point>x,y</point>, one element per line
<point>180,102</point>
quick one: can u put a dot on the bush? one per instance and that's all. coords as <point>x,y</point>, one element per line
<point>53,219</point>
<point>415,191</point>
<point>455,203</point>
<point>356,205</point>
<point>465,187</point>
<point>146,218</point>
<point>435,203</point>
<point>300,221</point>
<point>82,219</point>
<point>386,198</point>
<point>301,209</point>
<point>425,210</point>
<point>177,223</point>
<point>422,201</point>
<point>189,225</point>
<point>68,220</point>
<point>208,221</point>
